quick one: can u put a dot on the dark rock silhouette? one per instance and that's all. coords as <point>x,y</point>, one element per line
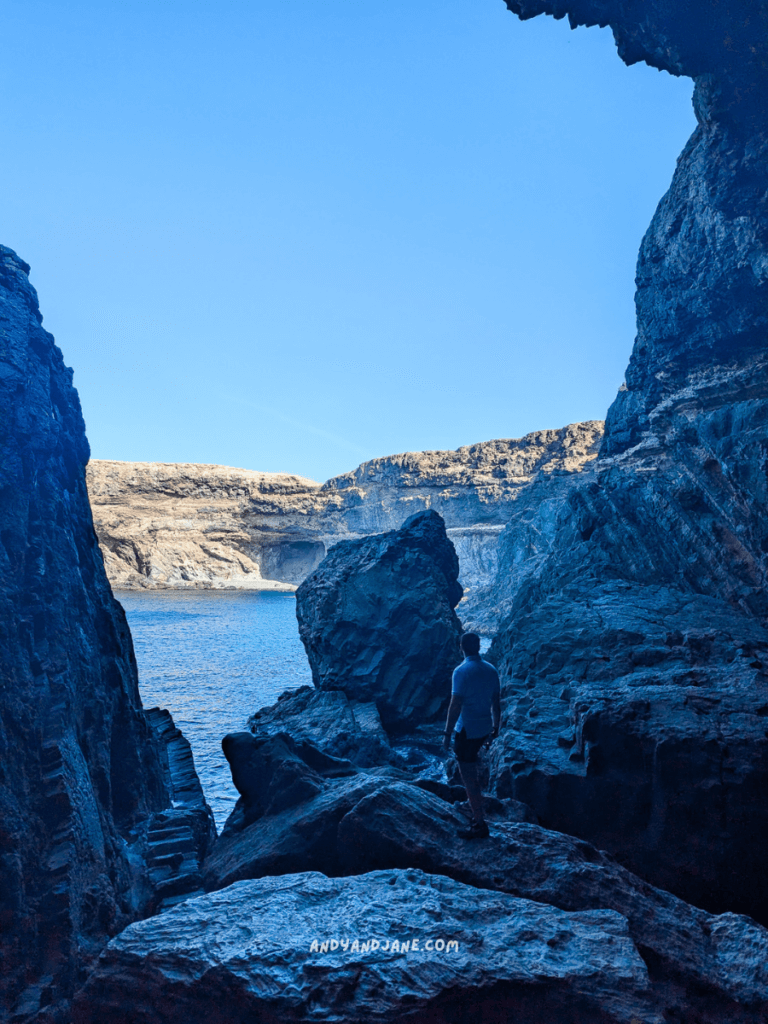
<point>293,799</point>
<point>246,953</point>
<point>634,652</point>
<point>713,966</point>
<point>330,721</point>
<point>181,835</point>
<point>377,621</point>
<point>81,771</point>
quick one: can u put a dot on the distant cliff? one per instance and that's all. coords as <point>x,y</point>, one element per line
<point>174,525</point>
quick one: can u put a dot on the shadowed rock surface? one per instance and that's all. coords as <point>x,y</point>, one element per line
<point>246,953</point>
<point>377,621</point>
<point>330,721</point>
<point>703,967</point>
<point>181,835</point>
<point>80,769</point>
<point>633,652</point>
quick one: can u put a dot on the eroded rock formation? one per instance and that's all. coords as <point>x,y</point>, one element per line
<point>377,621</point>
<point>634,651</point>
<point>81,771</point>
<point>329,720</point>
<point>177,525</point>
<point>249,949</point>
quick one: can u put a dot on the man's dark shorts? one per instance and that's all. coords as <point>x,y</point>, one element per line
<point>466,750</point>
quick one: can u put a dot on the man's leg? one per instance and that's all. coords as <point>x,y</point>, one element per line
<point>468,772</point>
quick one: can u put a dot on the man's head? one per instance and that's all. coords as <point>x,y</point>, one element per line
<point>470,643</point>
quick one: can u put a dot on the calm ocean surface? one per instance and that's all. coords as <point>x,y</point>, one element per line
<point>212,659</point>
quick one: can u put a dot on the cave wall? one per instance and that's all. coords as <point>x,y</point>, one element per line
<point>635,652</point>
<point>79,772</point>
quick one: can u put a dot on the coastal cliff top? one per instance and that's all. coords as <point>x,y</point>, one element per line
<point>110,478</point>
<point>510,461</point>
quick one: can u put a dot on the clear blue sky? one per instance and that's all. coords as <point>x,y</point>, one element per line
<point>291,235</point>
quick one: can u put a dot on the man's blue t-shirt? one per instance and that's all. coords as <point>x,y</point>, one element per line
<point>477,682</point>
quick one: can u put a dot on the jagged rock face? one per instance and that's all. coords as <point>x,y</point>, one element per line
<point>330,721</point>
<point>377,621</point>
<point>178,525</point>
<point>702,277</point>
<point>634,650</point>
<point>249,948</point>
<point>78,768</point>
<point>701,966</point>
<point>724,957</point>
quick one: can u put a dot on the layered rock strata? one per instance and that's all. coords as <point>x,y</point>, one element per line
<point>80,768</point>
<point>634,651</point>
<point>177,525</point>
<point>377,621</point>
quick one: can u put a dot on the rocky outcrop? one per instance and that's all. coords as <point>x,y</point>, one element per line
<point>633,651</point>
<point>691,955</point>
<point>181,836</point>
<point>178,525</point>
<point>80,768</point>
<point>303,811</point>
<point>305,947</point>
<point>329,720</point>
<point>377,621</point>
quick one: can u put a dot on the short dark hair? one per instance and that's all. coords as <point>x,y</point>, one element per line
<point>470,643</point>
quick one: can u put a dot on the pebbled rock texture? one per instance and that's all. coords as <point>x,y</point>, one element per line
<point>702,967</point>
<point>377,621</point>
<point>633,651</point>
<point>246,953</point>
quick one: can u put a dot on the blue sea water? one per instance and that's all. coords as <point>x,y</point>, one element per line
<point>212,659</point>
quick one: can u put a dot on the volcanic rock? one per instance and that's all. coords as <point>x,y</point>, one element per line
<point>328,720</point>
<point>298,948</point>
<point>377,621</point>
<point>80,768</point>
<point>704,967</point>
<point>272,773</point>
<point>701,966</point>
<point>633,652</point>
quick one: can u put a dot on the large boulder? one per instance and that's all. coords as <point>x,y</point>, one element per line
<point>81,772</point>
<point>377,620</point>
<point>633,653</point>
<point>709,968</point>
<point>330,721</point>
<point>712,968</point>
<point>373,948</point>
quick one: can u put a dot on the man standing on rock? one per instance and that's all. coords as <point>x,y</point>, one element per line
<point>475,709</point>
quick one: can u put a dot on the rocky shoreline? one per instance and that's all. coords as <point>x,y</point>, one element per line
<point>623,878</point>
<point>176,526</point>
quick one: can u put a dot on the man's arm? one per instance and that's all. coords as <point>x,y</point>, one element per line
<point>454,710</point>
<point>496,713</point>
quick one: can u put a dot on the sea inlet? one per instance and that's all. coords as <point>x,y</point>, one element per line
<point>212,658</point>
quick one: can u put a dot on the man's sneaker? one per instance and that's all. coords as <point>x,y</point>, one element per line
<point>476,830</point>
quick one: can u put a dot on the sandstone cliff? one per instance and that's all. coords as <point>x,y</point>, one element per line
<point>180,525</point>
